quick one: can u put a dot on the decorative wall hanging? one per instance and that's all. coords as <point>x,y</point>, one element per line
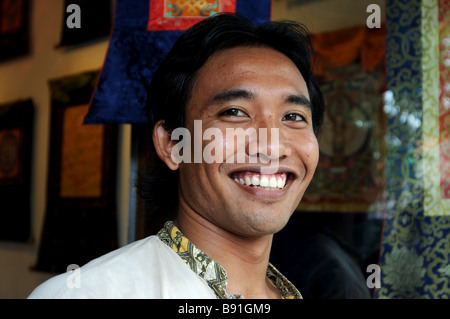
<point>16,135</point>
<point>80,222</point>
<point>416,247</point>
<point>339,48</point>
<point>444,97</point>
<point>144,31</point>
<point>14,29</point>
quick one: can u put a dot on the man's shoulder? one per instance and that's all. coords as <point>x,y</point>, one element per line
<point>77,283</point>
<point>147,268</point>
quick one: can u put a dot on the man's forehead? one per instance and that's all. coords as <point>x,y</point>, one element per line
<point>242,63</point>
<point>238,54</point>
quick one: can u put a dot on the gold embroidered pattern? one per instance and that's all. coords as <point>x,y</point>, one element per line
<point>189,8</point>
<point>212,272</point>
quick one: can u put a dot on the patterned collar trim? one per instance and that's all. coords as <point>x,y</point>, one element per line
<point>214,274</point>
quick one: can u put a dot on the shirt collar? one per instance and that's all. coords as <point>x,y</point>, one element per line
<point>214,274</point>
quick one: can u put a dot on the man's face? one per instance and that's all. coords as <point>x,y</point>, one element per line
<point>250,88</point>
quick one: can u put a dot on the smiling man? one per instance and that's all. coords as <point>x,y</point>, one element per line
<point>221,215</point>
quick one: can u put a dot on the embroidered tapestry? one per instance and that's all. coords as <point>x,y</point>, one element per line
<point>350,176</point>
<point>415,253</point>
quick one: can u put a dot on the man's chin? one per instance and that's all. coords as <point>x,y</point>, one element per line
<point>255,225</point>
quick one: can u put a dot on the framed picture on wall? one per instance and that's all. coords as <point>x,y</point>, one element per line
<point>14,28</point>
<point>16,133</point>
<point>82,157</point>
<point>80,222</point>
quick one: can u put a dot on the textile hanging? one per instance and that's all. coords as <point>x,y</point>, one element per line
<point>444,97</point>
<point>349,178</point>
<point>339,48</point>
<point>143,33</point>
<point>80,222</point>
<point>415,256</point>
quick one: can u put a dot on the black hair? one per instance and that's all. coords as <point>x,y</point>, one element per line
<point>170,89</point>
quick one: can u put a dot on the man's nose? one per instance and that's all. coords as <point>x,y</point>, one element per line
<point>270,144</point>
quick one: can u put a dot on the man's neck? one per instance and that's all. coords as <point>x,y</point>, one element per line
<point>244,259</point>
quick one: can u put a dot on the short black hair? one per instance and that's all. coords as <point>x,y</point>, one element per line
<point>170,89</point>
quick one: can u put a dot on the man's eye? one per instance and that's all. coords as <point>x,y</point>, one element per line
<point>233,112</point>
<point>294,117</point>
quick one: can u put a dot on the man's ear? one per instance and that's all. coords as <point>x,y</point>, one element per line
<point>164,144</point>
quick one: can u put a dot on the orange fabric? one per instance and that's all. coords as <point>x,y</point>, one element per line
<point>339,48</point>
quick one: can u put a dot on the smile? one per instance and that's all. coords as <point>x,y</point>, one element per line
<point>262,181</point>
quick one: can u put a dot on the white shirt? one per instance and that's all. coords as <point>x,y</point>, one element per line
<point>147,268</point>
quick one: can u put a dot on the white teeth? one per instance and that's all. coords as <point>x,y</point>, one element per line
<point>266,188</point>
<point>255,180</point>
<point>273,182</point>
<point>280,183</point>
<point>267,182</point>
<point>264,181</point>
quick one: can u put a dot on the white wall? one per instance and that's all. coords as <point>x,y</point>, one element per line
<point>28,77</point>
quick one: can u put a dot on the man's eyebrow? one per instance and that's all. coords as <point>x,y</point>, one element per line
<point>236,94</point>
<point>298,99</point>
<point>233,94</point>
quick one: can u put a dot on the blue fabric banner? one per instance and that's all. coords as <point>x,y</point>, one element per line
<point>136,49</point>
